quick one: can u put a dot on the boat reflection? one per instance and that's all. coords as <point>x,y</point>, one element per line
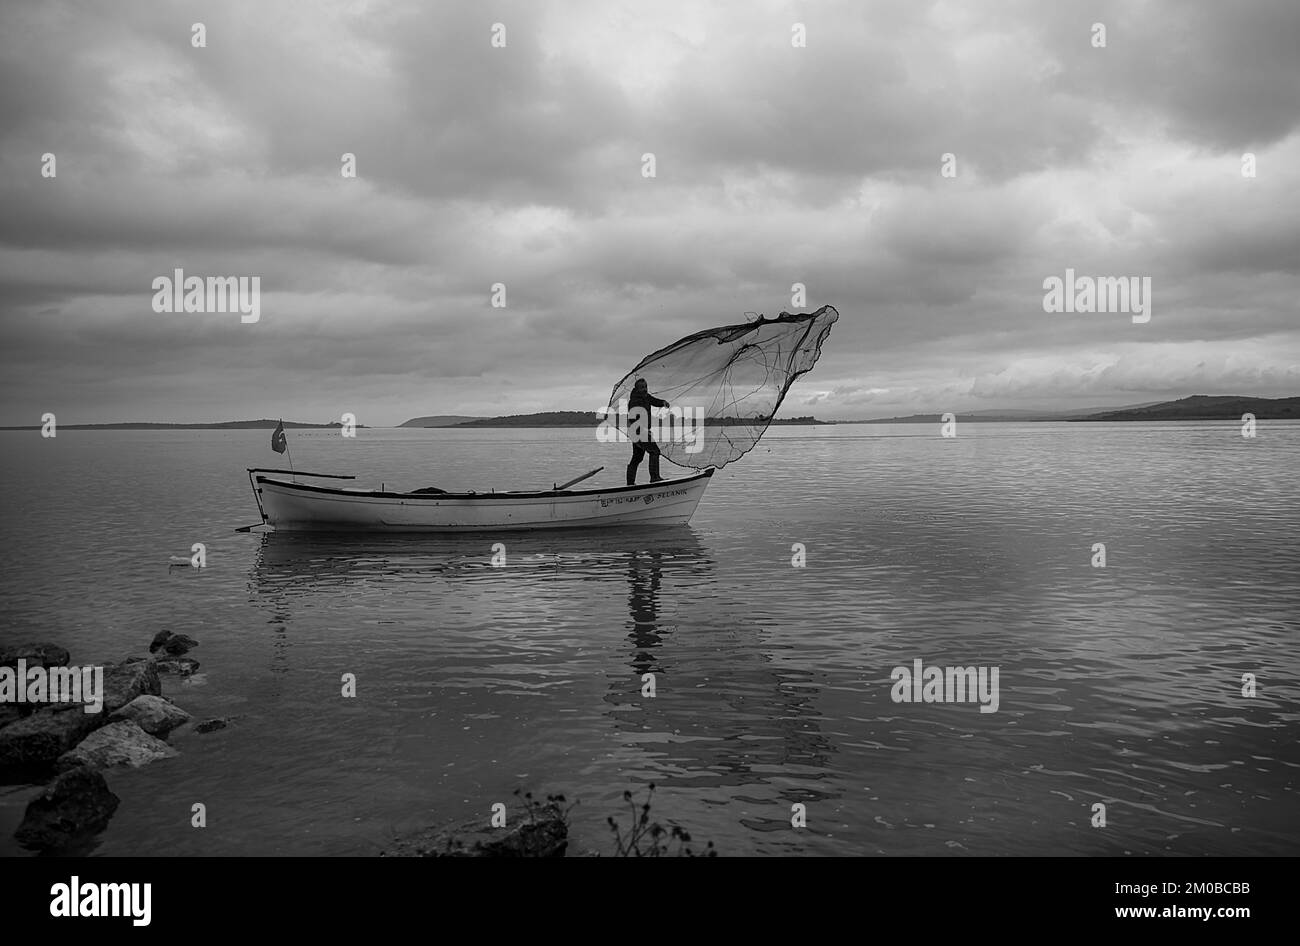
<point>729,708</point>
<point>725,712</point>
<point>307,563</point>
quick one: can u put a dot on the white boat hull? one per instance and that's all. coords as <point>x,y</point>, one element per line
<point>300,507</point>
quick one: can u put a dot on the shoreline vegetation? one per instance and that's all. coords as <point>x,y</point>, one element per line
<point>1196,407</point>
<point>541,829</point>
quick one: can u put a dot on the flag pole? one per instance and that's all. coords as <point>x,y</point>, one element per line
<point>293,475</point>
<point>280,444</point>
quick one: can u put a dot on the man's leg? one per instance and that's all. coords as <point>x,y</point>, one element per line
<point>653,449</point>
<point>638,451</point>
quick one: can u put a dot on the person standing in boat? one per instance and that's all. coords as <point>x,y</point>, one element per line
<point>638,430</point>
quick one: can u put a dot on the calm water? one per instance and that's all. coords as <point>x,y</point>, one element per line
<point>1119,685</point>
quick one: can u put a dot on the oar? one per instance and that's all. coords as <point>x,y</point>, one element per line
<point>579,479</point>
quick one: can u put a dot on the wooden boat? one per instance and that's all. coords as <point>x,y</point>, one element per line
<point>289,506</point>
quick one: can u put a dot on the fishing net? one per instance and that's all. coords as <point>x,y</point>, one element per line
<point>723,385</point>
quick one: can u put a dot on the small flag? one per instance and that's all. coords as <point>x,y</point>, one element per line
<point>279,442</point>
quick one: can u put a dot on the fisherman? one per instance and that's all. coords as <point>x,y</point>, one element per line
<point>638,424</point>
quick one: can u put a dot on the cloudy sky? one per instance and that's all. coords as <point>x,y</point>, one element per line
<point>775,164</point>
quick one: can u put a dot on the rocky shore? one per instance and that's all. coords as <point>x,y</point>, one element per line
<point>72,749</point>
<point>544,833</point>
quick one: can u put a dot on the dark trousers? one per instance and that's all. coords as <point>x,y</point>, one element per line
<point>638,451</point>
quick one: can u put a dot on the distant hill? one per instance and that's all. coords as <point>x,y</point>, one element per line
<point>1206,407</point>
<point>591,419</point>
<point>805,421</point>
<point>441,420</point>
<point>1007,416</point>
<point>543,419</point>
<point>1196,407</point>
<point>221,425</point>
<point>987,417</point>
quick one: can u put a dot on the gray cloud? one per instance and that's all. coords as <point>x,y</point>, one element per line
<point>776,165</point>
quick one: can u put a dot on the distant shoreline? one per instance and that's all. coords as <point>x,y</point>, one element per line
<point>1198,407</point>
<point>920,419</point>
<point>224,425</point>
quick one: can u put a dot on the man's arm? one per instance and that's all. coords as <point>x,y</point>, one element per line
<point>658,401</point>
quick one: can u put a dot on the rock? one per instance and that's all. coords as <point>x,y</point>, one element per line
<point>181,666</point>
<point>76,804</point>
<point>12,712</point>
<point>36,655</point>
<point>212,725</point>
<point>9,713</point>
<point>179,645</point>
<point>38,740</point>
<point>172,645</point>
<point>122,743</point>
<point>154,714</point>
<point>125,681</point>
<point>545,835</point>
